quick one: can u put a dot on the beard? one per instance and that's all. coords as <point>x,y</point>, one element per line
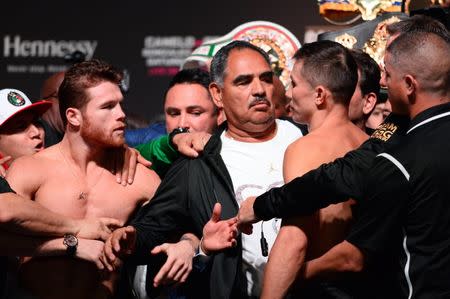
<point>102,137</point>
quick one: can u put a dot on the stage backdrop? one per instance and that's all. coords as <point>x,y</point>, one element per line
<point>148,39</point>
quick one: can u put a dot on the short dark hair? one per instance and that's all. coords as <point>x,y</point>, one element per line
<point>80,77</point>
<point>419,23</point>
<point>425,56</point>
<point>191,76</point>
<point>370,75</point>
<point>330,64</point>
<point>220,60</point>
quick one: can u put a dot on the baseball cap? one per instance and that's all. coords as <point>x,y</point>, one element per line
<point>13,102</point>
<point>278,42</point>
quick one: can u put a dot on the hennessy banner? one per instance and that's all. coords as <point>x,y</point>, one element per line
<point>148,40</point>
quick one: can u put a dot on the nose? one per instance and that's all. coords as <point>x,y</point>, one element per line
<point>288,92</point>
<point>183,121</point>
<point>120,114</point>
<point>258,88</point>
<point>383,79</point>
<point>34,132</point>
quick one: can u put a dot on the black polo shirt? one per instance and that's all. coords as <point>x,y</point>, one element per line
<point>406,207</point>
<point>4,188</point>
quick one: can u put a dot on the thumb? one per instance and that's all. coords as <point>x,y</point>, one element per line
<point>215,217</point>
<point>158,249</point>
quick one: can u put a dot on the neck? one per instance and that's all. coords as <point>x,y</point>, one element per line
<point>329,118</point>
<point>423,103</point>
<point>81,153</point>
<point>260,135</point>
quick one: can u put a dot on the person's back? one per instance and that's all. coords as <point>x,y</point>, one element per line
<point>73,179</point>
<point>325,144</point>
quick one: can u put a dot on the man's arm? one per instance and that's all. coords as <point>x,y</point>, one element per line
<point>26,217</point>
<point>162,152</point>
<point>343,257</point>
<point>377,224</point>
<point>289,250</point>
<point>330,183</point>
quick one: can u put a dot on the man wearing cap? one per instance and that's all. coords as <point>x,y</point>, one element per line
<point>20,131</point>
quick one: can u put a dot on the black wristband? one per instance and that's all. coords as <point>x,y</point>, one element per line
<point>176,131</point>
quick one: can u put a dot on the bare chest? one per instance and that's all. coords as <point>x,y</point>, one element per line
<point>97,196</point>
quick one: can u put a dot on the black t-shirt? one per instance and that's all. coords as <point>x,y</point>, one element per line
<point>4,188</point>
<point>406,208</point>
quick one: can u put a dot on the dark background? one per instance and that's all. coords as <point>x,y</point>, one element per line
<point>120,28</point>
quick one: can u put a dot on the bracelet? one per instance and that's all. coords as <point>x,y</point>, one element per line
<point>200,250</point>
<point>176,131</point>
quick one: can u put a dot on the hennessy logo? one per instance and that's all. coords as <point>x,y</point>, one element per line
<point>384,131</point>
<point>16,47</point>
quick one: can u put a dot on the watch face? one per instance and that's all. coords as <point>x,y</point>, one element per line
<point>70,241</point>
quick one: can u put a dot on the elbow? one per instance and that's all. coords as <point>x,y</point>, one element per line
<point>295,242</point>
<point>353,261</point>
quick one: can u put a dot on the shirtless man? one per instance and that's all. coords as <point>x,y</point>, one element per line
<point>323,81</point>
<point>72,179</point>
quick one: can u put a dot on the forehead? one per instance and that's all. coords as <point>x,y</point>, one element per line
<point>246,61</point>
<point>297,70</point>
<point>186,94</point>
<point>105,91</point>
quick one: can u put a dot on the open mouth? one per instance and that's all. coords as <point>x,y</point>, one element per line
<point>39,146</point>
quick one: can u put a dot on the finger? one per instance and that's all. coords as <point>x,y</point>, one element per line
<point>132,165</point>
<point>125,168</point>
<point>176,267</point>
<point>187,150</point>
<point>217,210</point>
<point>232,221</point>
<point>108,251</point>
<point>143,161</point>
<point>99,265</point>
<point>177,276</point>
<point>160,248</point>
<point>111,223</point>
<point>162,273</point>
<point>185,276</point>
<point>106,263</point>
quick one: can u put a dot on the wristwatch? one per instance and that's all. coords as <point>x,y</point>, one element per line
<point>71,243</point>
<point>175,132</point>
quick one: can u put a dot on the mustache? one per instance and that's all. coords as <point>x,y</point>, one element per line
<point>258,100</point>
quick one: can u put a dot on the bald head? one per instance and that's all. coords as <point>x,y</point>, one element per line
<point>424,56</point>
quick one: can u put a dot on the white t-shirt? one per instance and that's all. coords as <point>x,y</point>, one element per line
<point>255,168</point>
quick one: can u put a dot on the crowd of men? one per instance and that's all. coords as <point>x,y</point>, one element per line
<point>237,201</point>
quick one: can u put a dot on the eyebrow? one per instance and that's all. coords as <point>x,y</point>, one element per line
<point>244,77</point>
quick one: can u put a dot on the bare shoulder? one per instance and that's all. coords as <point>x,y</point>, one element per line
<point>26,175</point>
<point>146,180</point>
<point>301,156</point>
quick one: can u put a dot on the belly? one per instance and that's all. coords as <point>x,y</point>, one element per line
<point>63,277</point>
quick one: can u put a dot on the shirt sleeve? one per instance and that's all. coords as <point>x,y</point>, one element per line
<point>381,213</point>
<point>160,153</point>
<point>330,183</point>
<point>4,186</point>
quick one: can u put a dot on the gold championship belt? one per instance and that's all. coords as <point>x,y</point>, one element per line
<point>344,12</point>
<point>370,36</point>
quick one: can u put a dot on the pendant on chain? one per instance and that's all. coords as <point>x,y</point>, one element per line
<point>82,196</point>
